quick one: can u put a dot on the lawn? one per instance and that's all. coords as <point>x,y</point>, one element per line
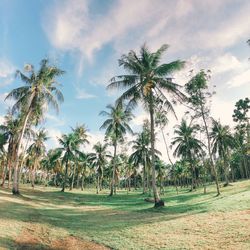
<point>45,218</point>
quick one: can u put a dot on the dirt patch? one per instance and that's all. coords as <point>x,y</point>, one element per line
<point>75,243</point>
<point>39,238</point>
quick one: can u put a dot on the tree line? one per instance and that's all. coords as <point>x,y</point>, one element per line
<point>204,150</point>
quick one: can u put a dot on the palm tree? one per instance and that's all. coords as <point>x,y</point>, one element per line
<point>99,159</point>
<point>141,154</point>
<point>160,168</point>
<point>69,143</point>
<point>39,91</point>
<point>222,141</point>
<point>37,150</point>
<point>10,129</point>
<point>147,81</point>
<point>187,146</point>
<point>80,132</point>
<point>116,127</point>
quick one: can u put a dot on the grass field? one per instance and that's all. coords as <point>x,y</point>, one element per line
<point>45,218</point>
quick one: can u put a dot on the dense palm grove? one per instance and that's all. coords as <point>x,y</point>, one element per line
<point>202,151</point>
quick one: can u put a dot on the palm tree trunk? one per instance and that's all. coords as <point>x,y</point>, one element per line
<point>164,139</point>
<point>113,172</point>
<point>78,177</point>
<point>210,152</point>
<point>65,176</point>
<point>3,173</point>
<point>82,184</point>
<point>97,184</point>
<point>158,201</point>
<point>15,189</point>
<point>144,179</point>
<point>73,177</point>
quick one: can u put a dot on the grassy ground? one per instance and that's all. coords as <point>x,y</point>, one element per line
<point>45,218</point>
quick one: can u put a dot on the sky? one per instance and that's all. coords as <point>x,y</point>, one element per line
<point>87,37</point>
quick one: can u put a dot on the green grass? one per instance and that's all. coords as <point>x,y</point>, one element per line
<point>189,220</point>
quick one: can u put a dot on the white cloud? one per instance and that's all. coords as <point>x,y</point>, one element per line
<point>82,94</point>
<point>53,134</point>
<point>54,119</point>
<point>6,72</point>
<point>229,31</point>
<point>1,119</point>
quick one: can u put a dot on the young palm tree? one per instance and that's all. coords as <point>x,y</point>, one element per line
<point>116,127</point>
<point>99,159</point>
<point>222,141</point>
<point>147,81</point>
<point>37,150</point>
<point>10,130</point>
<point>141,154</point>
<point>39,91</point>
<point>69,143</point>
<point>80,132</point>
<point>187,146</point>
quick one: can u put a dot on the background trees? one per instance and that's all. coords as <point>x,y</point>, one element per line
<point>138,163</point>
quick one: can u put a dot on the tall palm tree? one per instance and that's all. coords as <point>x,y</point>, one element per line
<point>222,142</point>
<point>99,159</point>
<point>187,146</point>
<point>37,150</point>
<point>39,91</point>
<point>147,81</point>
<point>116,127</point>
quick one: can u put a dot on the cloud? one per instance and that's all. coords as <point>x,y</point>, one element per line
<point>53,134</point>
<point>56,121</point>
<point>227,32</point>
<point>7,71</point>
<point>82,94</point>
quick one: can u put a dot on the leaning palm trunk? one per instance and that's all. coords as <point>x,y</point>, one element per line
<point>166,146</point>
<point>15,189</point>
<point>158,201</point>
<point>210,152</point>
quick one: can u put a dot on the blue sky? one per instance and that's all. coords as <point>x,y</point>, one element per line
<point>86,38</point>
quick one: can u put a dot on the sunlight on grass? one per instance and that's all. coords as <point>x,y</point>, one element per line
<point>126,221</point>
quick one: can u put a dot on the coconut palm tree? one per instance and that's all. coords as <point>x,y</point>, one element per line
<point>32,99</point>
<point>141,155</point>
<point>147,81</point>
<point>161,168</point>
<point>187,146</point>
<point>99,159</point>
<point>222,142</point>
<point>37,150</point>
<point>116,127</point>
<point>80,132</point>
<point>69,144</point>
<point>10,129</point>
